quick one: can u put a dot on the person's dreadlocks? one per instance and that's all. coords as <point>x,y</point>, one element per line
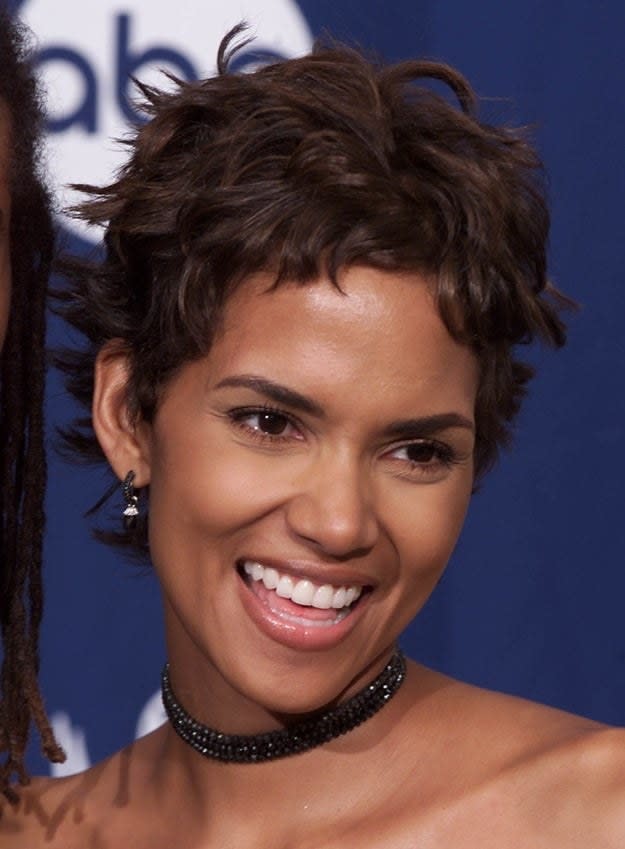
<point>22,455</point>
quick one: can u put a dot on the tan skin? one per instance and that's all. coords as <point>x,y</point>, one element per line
<point>5,220</point>
<point>337,489</point>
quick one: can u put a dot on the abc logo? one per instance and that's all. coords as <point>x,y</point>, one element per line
<point>87,52</point>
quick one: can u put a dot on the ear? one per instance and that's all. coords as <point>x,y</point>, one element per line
<point>124,441</point>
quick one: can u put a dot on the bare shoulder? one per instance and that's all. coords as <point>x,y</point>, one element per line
<point>580,787</point>
<point>40,811</point>
<point>72,812</point>
<point>510,772</point>
<point>40,816</point>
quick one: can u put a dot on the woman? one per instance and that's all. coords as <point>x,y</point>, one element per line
<point>299,361</point>
<point>26,247</point>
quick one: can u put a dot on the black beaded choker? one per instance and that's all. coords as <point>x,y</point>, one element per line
<point>256,748</point>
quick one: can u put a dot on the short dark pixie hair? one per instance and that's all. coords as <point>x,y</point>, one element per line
<point>303,168</point>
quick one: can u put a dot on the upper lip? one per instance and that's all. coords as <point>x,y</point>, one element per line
<point>318,573</point>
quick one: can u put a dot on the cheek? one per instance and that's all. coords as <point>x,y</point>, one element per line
<point>426,530</point>
<point>202,495</point>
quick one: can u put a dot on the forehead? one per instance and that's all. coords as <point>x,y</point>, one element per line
<point>379,339</point>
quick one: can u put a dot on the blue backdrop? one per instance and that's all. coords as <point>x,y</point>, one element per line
<point>532,602</point>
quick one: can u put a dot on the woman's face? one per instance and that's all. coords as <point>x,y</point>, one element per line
<point>5,220</point>
<point>324,445</point>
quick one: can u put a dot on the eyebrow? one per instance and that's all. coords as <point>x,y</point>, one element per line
<point>400,429</point>
<point>426,426</point>
<point>275,392</point>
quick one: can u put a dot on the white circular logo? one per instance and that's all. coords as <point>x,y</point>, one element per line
<point>88,51</point>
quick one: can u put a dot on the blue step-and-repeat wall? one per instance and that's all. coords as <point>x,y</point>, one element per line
<point>533,600</point>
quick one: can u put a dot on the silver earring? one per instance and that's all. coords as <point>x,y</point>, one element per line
<point>131,510</point>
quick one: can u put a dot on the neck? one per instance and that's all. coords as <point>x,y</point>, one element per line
<point>295,738</point>
<point>302,792</point>
<point>238,693</point>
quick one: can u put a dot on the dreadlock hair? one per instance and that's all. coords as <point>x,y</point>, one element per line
<point>22,454</point>
<point>302,168</point>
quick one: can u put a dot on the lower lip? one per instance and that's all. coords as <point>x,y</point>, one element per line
<point>313,635</point>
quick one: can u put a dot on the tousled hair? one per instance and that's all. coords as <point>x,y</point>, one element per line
<point>22,451</point>
<point>303,168</point>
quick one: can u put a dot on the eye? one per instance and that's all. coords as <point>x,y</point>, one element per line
<point>265,423</point>
<point>421,452</point>
<point>268,422</point>
<point>423,459</point>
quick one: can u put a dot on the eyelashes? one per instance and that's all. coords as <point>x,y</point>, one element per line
<point>424,459</point>
<point>425,451</point>
<point>266,423</point>
<point>421,459</point>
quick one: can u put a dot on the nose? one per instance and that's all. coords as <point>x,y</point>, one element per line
<point>333,507</point>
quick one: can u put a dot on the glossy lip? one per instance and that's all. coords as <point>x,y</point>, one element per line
<point>293,634</point>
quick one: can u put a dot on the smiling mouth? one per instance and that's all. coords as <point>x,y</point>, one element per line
<point>300,600</point>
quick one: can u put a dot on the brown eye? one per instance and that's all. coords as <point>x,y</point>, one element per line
<point>272,423</point>
<point>423,461</point>
<point>421,452</point>
<point>265,424</point>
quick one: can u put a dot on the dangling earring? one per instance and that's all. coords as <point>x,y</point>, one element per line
<point>131,510</point>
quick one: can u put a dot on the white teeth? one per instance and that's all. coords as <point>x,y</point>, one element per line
<point>351,595</point>
<point>339,598</point>
<point>256,571</point>
<point>270,578</point>
<point>285,587</point>
<point>304,592</point>
<point>323,597</point>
